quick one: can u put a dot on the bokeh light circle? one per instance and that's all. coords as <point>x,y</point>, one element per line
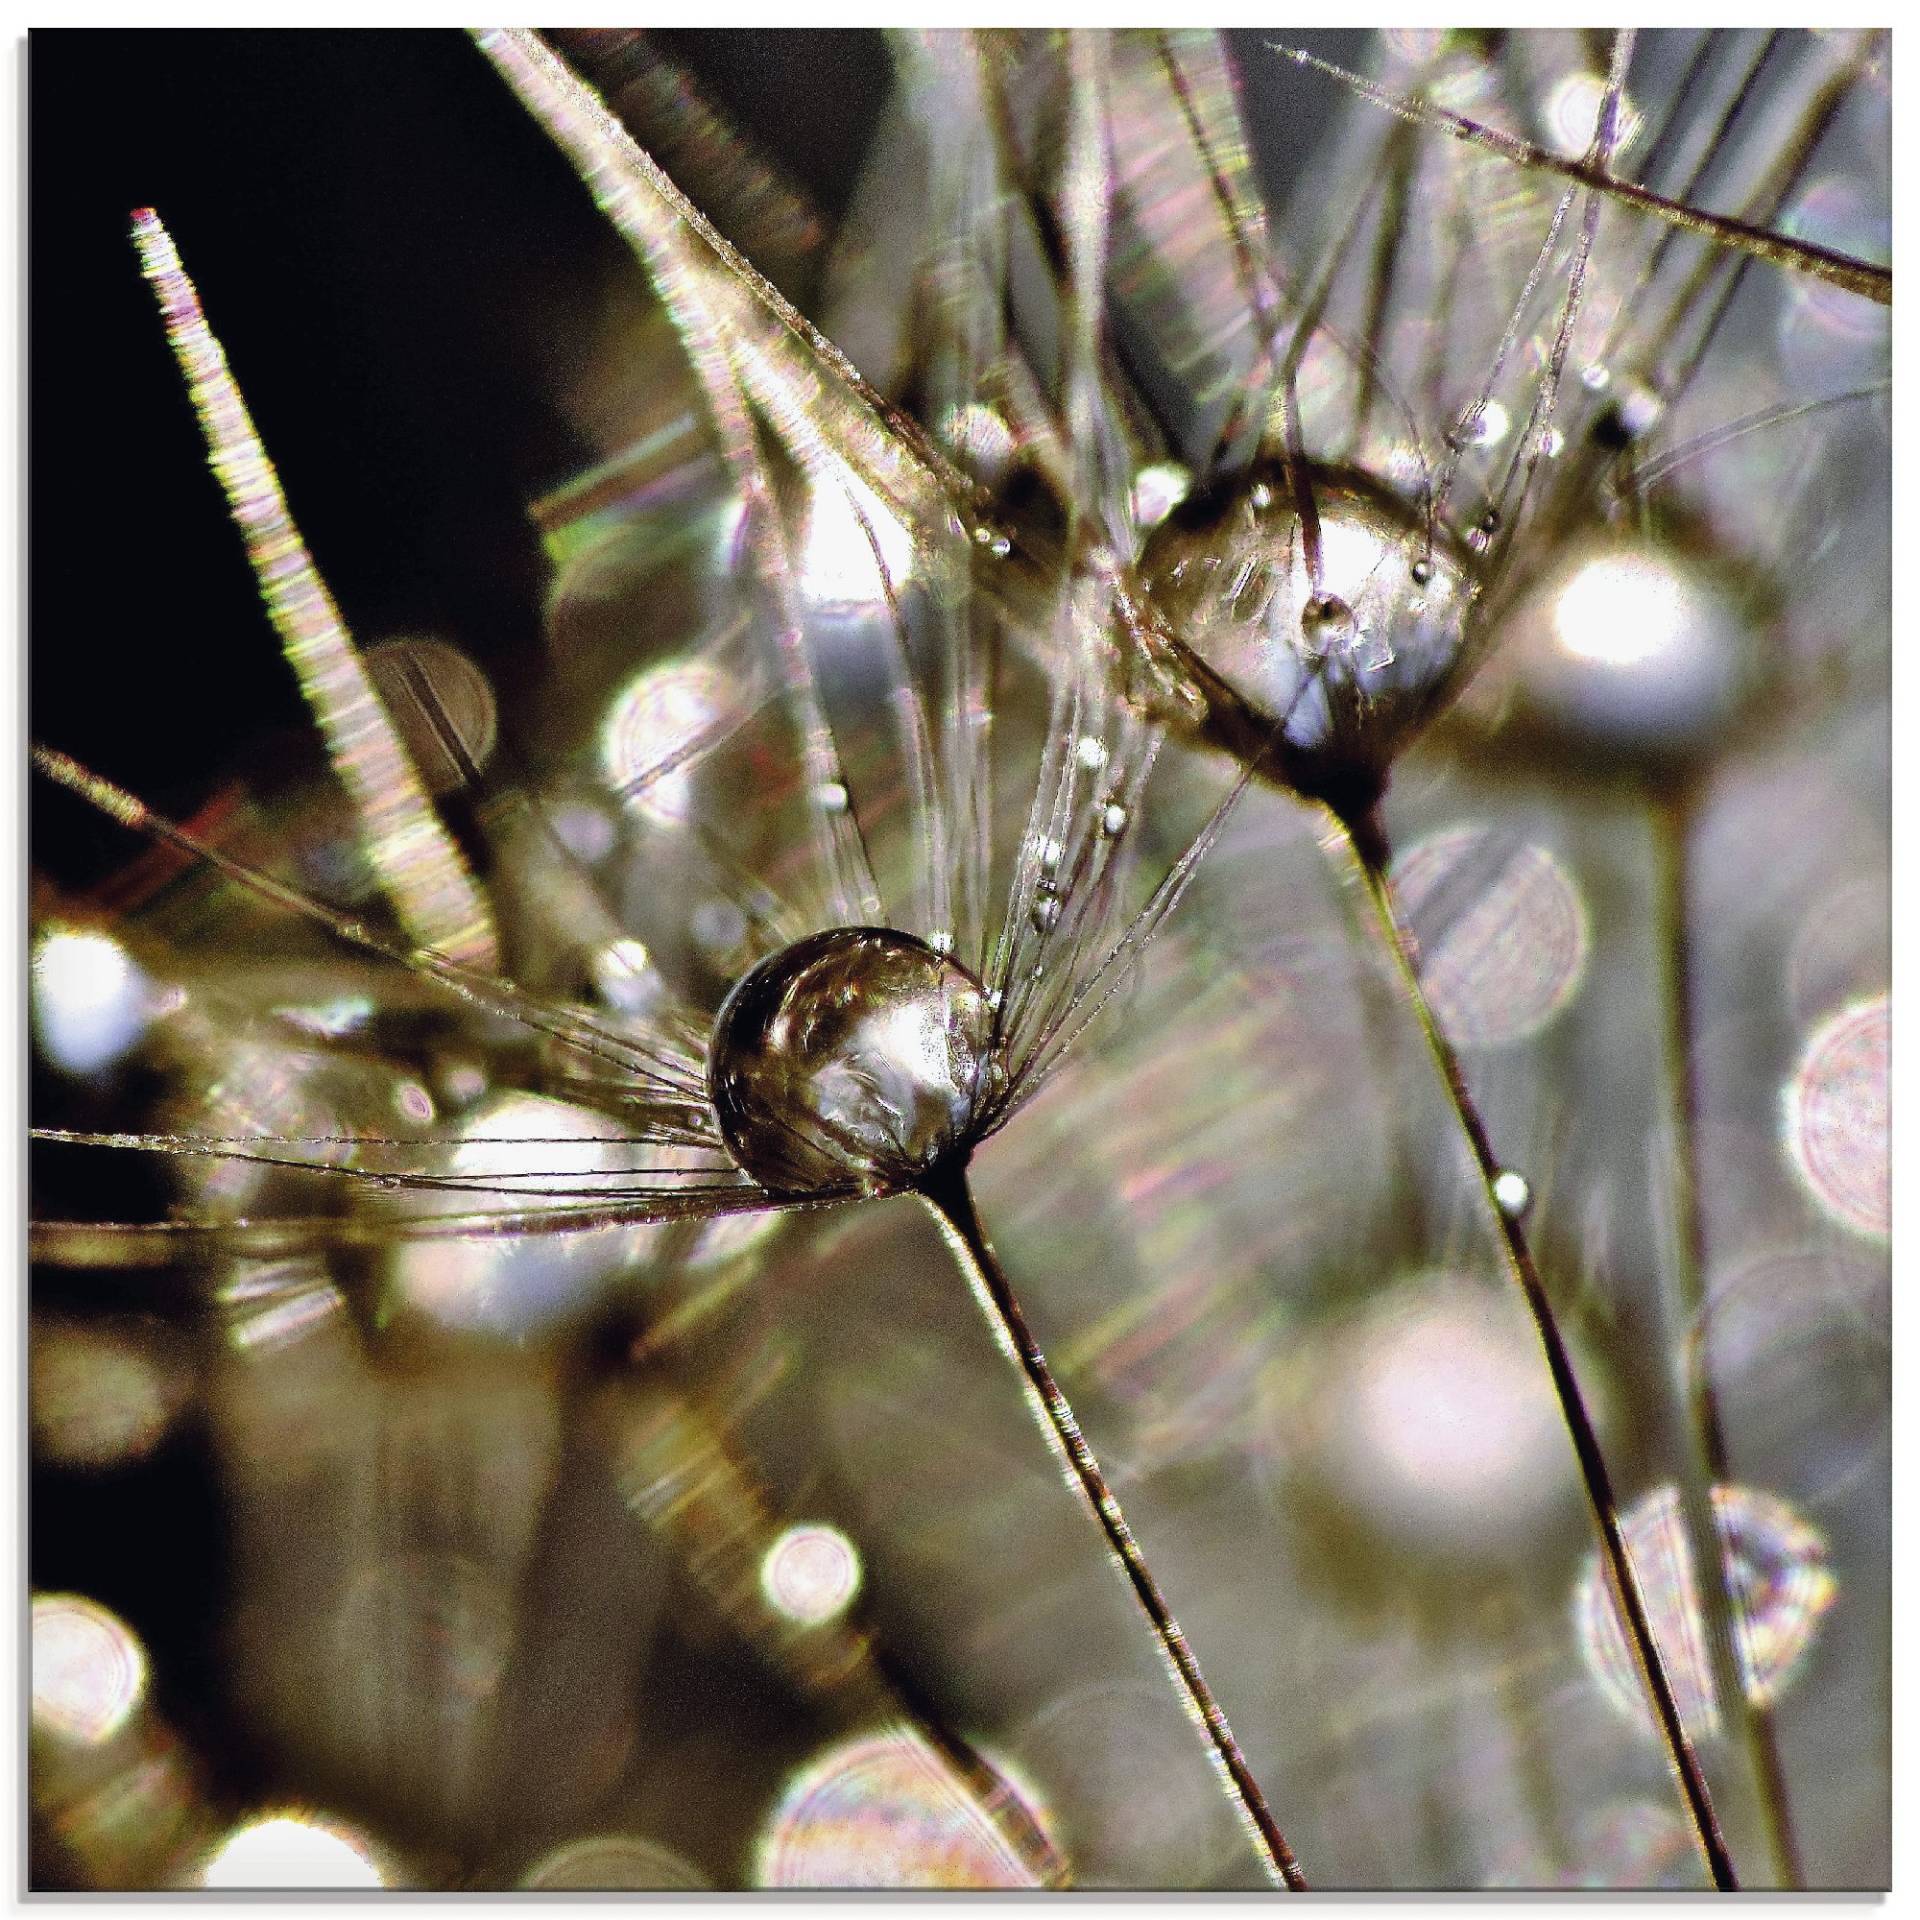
<point>89,1670</point>
<point>810,1574</point>
<point>291,1850</point>
<point>1835,1117</point>
<point>1501,929</point>
<point>884,1810</point>
<point>1778,1582</point>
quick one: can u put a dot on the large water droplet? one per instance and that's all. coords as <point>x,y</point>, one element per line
<point>856,1057</point>
<point>1344,662</point>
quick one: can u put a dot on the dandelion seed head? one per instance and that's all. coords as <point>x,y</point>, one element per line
<point>857,1057</point>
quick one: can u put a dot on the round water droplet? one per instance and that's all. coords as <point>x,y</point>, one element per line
<point>856,1057</point>
<point>1113,819</point>
<point>1511,1194</point>
<point>1326,622</point>
<point>833,796</point>
<point>1045,911</point>
<point>1341,668</point>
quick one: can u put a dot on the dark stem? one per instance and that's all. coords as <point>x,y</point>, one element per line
<point>1707,1464</point>
<point>1370,849</point>
<point>947,1193</point>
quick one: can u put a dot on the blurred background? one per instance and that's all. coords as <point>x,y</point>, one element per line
<point>726,1553</point>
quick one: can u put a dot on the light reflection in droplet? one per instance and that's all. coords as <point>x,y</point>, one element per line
<point>664,718</point>
<point>1835,1117</point>
<point>291,1850</point>
<point>1502,933</point>
<point>1777,1579</point>
<point>1511,1194</point>
<point>1157,490</point>
<point>613,1863</point>
<point>884,1811</point>
<point>810,1574</point>
<point>91,1003</point>
<point>1436,1419</point>
<point>89,1670</point>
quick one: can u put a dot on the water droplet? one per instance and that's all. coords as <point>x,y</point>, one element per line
<point>1045,912</point>
<point>1260,495</point>
<point>833,796</point>
<point>1326,622</point>
<point>1049,853</point>
<point>1511,1194</point>
<point>1157,490</point>
<point>1422,571</point>
<point>1091,752</point>
<point>1595,378</point>
<point>856,1057</point>
<point>1113,819</point>
<point>1233,583</point>
<point>1001,547</point>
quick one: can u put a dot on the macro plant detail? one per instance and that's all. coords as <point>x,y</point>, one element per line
<point>894,704</point>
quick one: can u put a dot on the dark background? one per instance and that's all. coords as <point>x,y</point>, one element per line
<point>395,259</point>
